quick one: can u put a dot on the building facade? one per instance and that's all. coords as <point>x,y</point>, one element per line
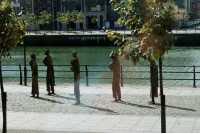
<point>192,8</point>
<point>195,7</point>
<point>97,13</point>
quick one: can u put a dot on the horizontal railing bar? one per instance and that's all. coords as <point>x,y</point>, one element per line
<point>97,71</point>
<point>107,65</point>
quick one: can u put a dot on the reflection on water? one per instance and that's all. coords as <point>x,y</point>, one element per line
<point>100,56</point>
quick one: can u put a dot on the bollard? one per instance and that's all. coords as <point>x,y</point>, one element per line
<point>4,109</point>
<point>86,75</point>
<point>122,80</point>
<point>25,76</point>
<point>20,74</point>
<point>163,114</point>
<point>194,77</point>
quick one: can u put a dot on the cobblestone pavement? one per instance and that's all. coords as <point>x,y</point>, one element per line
<point>99,101</point>
<point>96,101</point>
<point>102,104</point>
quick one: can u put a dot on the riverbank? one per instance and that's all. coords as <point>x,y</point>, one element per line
<point>181,38</point>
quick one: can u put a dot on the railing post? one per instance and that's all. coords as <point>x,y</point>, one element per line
<point>194,77</point>
<point>122,79</point>
<point>25,76</point>
<point>86,75</point>
<point>162,99</point>
<point>163,114</point>
<point>20,74</point>
<point>4,98</point>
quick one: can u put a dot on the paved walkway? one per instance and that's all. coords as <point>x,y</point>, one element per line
<point>58,122</point>
<point>12,87</point>
<point>98,113</point>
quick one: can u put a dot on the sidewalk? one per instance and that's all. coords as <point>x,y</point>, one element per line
<point>58,122</point>
<point>98,113</point>
<point>12,87</point>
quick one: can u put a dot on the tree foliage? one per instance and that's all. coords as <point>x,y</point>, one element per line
<point>29,19</point>
<point>44,17</point>
<point>12,28</point>
<point>32,19</point>
<point>150,22</point>
<point>68,17</point>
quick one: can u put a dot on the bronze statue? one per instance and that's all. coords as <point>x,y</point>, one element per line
<point>153,80</point>
<point>34,69</point>
<point>50,79</point>
<point>116,81</point>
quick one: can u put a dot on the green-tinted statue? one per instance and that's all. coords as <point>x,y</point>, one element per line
<point>75,67</point>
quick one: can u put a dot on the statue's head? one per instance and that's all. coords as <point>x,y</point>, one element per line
<point>47,52</point>
<point>74,54</point>
<point>33,56</point>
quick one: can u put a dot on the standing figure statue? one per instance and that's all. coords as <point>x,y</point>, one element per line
<point>34,69</point>
<point>116,81</point>
<point>50,79</point>
<point>75,67</point>
<point>153,80</point>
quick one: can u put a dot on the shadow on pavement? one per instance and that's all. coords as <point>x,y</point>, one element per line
<point>53,101</point>
<point>179,108</point>
<point>99,108</point>
<point>135,105</point>
<point>63,97</point>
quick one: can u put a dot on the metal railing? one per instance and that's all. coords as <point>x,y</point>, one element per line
<point>89,72</point>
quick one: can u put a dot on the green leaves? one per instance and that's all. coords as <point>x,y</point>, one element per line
<point>128,11</point>
<point>150,21</point>
<point>4,5</point>
<point>44,18</point>
<point>67,17</point>
<point>12,28</point>
<point>64,17</point>
<point>29,19</point>
<point>126,47</point>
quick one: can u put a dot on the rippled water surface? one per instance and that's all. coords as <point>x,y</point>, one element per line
<point>100,56</point>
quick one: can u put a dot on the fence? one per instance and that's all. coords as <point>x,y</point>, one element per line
<point>92,72</point>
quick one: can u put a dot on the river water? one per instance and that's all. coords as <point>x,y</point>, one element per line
<point>100,56</point>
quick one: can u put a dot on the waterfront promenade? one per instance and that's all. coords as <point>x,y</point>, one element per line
<point>97,112</point>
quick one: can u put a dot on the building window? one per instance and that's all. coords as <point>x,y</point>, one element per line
<point>95,5</point>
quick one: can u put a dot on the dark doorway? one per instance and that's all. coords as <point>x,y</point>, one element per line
<point>101,22</point>
<point>92,22</point>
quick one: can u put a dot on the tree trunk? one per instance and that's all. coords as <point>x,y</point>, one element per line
<point>161,77</point>
<point>3,98</point>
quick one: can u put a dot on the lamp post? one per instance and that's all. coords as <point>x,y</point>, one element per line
<point>25,69</point>
<point>4,99</point>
